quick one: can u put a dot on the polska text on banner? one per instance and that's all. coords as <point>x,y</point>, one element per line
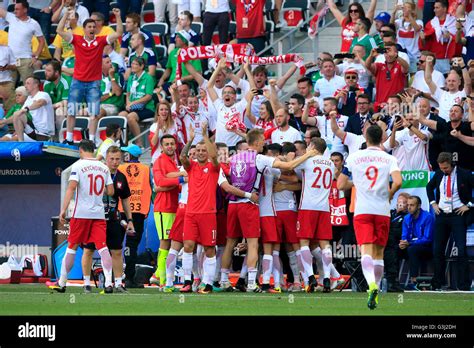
<point>284,58</point>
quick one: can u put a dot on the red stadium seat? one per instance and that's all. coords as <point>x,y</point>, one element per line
<point>295,12</point>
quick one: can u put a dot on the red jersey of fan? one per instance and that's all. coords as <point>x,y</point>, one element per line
<point>249,18</point>
<point>202,183</point>
<point>388,81</point>
<point>88,65</point>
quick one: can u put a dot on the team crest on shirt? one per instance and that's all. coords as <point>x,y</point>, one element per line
<point>206,170</point>
<point>240,169</point>
<point>119,185</point>
<point>95,43</point>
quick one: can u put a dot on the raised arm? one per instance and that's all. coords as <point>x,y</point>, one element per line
<point>305,118</point>
<point>415,130</point>
<point>184,157</point>
<point>371,11</point>
<point>57,13</point>
<point>212,81</point>
<point>335,11</point>
<point>282,80</point>
<point>295,163</point>
<point>428,73</point>
<point>248,108</point>
<point>211,148</point>
<point>464,138</point>
<point>117,34</point>
<point>396,127</point>
<point>67,36</point>
<point>275,103</point>
<point>369,65</point>
<point>459,38</point>
<point>338,132</point>
<point>194,73</point>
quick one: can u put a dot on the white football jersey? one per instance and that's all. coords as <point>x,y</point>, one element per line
<point>371,169</point>
<point>183,197</point>
<point>266,204</point>
<point>92,177</point>
<point>317,174</point>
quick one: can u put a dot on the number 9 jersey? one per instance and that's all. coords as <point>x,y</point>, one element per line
<point>92,177</point>
<point>317,174</point>
<point>371,169</point>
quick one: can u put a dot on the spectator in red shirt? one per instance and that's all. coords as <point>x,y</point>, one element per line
<point>87,70</point>
<point>390,77</point>
<point>251,23</point>
<point>439,36</point>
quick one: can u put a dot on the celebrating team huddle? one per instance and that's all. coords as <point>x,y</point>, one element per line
<point>212,202</point>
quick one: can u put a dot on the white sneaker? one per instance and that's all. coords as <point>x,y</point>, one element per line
<point>154,280</point>
<point>196,283</point>
<point>336,283</point>
<point>296,287</point>
<point>254,288</point>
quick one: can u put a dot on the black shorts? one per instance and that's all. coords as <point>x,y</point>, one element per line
<point>144,114</point>
<point>114,234</point>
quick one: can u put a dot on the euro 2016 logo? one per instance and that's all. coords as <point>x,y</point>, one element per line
<point>240,169</point>
<point>133,170</point>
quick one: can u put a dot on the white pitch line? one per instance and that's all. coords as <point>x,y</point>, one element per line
<point>229,295</point>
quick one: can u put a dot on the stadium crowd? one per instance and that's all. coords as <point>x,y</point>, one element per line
<point>411,78</point>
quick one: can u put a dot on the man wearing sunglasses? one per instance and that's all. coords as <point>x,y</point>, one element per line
<point>390,77</point>
<point>346,96</point>
<point>419,79</point>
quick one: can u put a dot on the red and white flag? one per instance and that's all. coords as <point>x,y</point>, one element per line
<point>314,22</point>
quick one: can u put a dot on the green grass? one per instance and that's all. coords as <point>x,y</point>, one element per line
<point>35,299</point>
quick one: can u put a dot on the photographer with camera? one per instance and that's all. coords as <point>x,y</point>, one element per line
<point>390,77</point>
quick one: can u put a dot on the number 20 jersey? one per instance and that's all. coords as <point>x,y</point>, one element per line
<point>317,174</point>
<point>92,177</point>
<point>371,169</point>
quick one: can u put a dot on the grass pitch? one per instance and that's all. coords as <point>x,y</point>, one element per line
<point>37,299</point>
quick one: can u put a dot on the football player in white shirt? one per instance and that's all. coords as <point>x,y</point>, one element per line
<point>314,217</point>
<point>227,108</point>
<point>90,179</point>
<point>371,171</point>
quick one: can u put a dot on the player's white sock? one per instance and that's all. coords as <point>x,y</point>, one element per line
<point>171,266</point>
<point>378,271</point>
<point>106,260</point>
<point>209,269</point>
<point>301,267</point>
<point>224,275</point>
<point>69,136</point>
<point>334,272</point>
<point>87,280</point>
<point>187,265</point>
<point>252,277</point>
<point>244,270</point>
<point>277,269</point>
<point>306,260</point>
<point>319,262</point>
<point>219,253</point>
<point>196,266</point>
<point>267,265</point>
<point>200,253</point>
<point>294,266</point>
<point>118,282</point>
<point>368,268</point>
<point>327,261</point>
<point>92,137</point>
<point>66,265</point>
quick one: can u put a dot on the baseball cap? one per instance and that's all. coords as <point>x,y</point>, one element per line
<point>384,17</point>
<point>351,71</point>
<point>133,150</point>
<point>184,35</point>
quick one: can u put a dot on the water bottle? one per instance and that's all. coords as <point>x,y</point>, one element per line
<point>384,285</point>
<point>353,285</point>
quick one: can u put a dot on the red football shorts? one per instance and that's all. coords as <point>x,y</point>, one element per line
<point>372,229</point>
<point>176,232</point>
<point>314,224</point>
<point>200,228</point>
<point>286,225</point>
<point>269,230</point>
<point>221,228</point>
<point>243,220</point>
<point>84,231</point>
